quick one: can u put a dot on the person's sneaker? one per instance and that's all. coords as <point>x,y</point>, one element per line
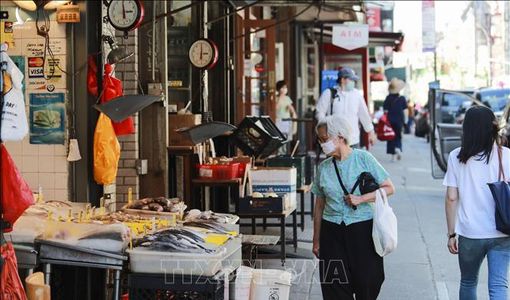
<point>399,154</point>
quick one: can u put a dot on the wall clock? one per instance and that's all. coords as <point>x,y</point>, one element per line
<point>125,15</point>
<point>203,54</point>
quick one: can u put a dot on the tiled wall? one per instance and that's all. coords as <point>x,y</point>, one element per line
<point>41,165</point>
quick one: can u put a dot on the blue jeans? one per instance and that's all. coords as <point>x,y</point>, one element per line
<point>471,255</point>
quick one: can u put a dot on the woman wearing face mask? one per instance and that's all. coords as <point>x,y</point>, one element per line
<point>284,110</point>
<point>342,239</point>
<point>347,101</point>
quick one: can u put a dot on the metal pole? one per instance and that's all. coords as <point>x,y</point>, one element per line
<point>435,65</point>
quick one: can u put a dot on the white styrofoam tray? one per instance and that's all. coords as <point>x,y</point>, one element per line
<point>229,255</point>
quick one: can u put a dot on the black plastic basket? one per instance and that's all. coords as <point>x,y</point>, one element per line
<point>174,287</point>
<point>259,140</point>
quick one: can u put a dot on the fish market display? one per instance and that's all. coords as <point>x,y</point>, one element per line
<point>117,217</point>
<point>175,240</point>
<point>56,208</point>
<point>209,226</point>
<point>104,237</point>
<point>158,204</point>
<point>195,215</point>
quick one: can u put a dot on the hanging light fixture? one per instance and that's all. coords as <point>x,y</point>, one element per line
<point>117,54</point>
<point>34,5</point>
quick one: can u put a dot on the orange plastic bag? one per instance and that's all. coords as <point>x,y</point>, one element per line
<point>106,151</point>
<point>11,287</point>
<point>16,194</point>
<point>112,88</point>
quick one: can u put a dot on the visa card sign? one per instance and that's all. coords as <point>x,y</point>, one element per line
<point>351,36</point>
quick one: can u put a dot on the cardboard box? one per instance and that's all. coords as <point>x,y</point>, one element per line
<point>281,181</point>
<point>176,122</point>
<point>299,162</point>
<point>261,205</point>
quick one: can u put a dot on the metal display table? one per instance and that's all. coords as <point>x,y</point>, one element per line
<point>282,216</point>
<point>302,192</point>
<point>55,253</point>
<point>233,184</point>
<point>26,257</point>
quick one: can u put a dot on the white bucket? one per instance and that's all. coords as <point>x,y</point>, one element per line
<point>243,282</point>
<point>270,284</point>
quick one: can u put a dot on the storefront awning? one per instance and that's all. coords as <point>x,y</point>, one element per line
<point>392,39</point>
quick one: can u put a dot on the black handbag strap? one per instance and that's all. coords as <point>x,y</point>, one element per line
<point>346,192</point>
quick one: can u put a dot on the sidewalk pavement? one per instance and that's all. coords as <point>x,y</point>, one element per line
<point>421,268</point>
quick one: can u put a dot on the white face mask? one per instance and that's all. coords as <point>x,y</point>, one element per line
<point>328,147</point>
<point>350,85</point>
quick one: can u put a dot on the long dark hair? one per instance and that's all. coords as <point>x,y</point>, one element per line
<point>480,131</point>
<point>280,84</point>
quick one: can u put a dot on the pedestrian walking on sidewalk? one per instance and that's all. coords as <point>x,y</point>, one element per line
<point>284,110</point>
<point>394,106</point>
<point>346,101</point>
<point>342,237</point>
<point>470,206</point>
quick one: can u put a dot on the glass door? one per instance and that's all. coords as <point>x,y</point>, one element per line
<point>259,68</point>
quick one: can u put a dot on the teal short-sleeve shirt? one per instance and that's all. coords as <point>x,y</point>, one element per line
<point>326,186</point>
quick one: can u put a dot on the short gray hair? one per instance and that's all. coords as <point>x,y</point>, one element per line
<point>339,126</point>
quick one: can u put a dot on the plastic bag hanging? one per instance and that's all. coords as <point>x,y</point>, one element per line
<point>16,194</point>
<point>112,88</point>
<point>13,113</point>
<point>11,286</point>
<point>74,150</point>
<point>106,151</point>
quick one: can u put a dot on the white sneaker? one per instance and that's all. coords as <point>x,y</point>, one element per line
<point>398,154</point>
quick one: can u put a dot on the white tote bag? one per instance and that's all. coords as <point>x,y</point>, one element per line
<point>13,114</point>
<point>384,231</point>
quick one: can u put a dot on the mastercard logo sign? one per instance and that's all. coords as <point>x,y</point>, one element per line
<point>35,62</point>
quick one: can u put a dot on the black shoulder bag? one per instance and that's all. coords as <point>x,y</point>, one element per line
<point>501,193</point>
<point>366,182</point>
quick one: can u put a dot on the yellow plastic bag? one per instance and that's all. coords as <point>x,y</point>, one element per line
<point>106,151</point>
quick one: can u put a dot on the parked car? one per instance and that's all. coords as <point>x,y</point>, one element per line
<point>451,104</point>
<point>422,121</point>
<point>494,98</point>
<point>446,137</point>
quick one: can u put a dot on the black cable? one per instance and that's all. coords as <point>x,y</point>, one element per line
<point>234,12</point>
<point>170,13</point>
<point>3,224</point>
<point>44,31</point>
<point>275,24</point>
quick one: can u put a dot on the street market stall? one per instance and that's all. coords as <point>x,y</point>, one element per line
<point>134,241</point>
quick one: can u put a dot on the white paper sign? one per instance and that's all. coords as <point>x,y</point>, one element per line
<point>350,37</point>
<point>428,26</point>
